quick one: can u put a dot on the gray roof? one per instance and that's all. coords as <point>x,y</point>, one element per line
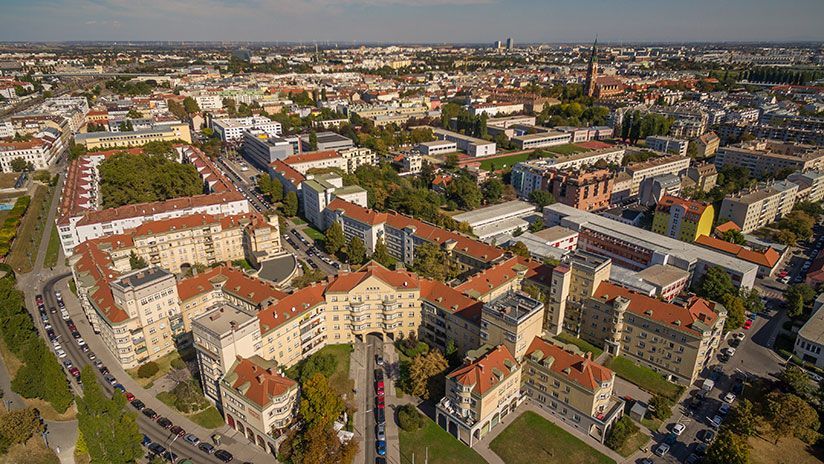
<point>813,329</point>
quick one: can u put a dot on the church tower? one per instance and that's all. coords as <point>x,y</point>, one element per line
<point>592,70</point>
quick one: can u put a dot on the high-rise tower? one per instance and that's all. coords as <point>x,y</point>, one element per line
<point>592,70</point>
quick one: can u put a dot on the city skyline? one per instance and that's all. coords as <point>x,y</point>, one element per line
<point>423,21</point>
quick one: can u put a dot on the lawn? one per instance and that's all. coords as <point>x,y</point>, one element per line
<point>581,344</point>
<point>314,234</point>
<point>53,251</point>
<point>208,418</point>
<point>635,442</point>
<point>566,149</point>
<point>443,448</point>
<point>546,443</point>
<point>503,162</point>
<point>33,451</point>
<point>339,379</point>
<point>165,365</point>
<point>645,378</point>
<point>788,450</point>
<point>24,248</point>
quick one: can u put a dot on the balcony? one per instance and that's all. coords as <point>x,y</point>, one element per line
<point>391,305</point>
<point>357,306</point>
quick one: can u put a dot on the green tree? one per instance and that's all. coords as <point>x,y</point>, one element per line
<point>110,430</point>
<point>728,448</point>
<point>450,162</point>
<point>541,198</point>
<point>662,407</point>
<point>797,297</point>
<point>536,225</point>
<point>137,262</point>
<point>431,262</point>
<point>733,236</point>
<point>716,283</point>
<point>789,415</point>
<point>276,193</point>
<point>356,251</point>
<point>322,363</point>
<point>127,179</point>
<point>381,254</point>
<point>290,204</point>
<point>426,374</point>
<point>320,404</point>
<point>797,380</point>
<point>334,238</point>
<point>313,140</point>
<point>493,190</point>
<point>465,192</point>
<point>190,106</point>
<point>623,429</point>
<point>18,164</point>
<point>520,249</point>
<point>409,418</point>
<point>735,311</point>
<point>743,419</point>
<point>17,427</point>
<point>134,114</point>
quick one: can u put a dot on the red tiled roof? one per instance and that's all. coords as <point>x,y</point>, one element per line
<point>292,305</point>
<point>501,273</point>
<point>288,172</point>
<point>729,225</point>
<point>449,299</point>
<point>148,209</point>
<point>311,156</point>
<point>463,244</point>
<point>232,281</point>
<point>482,374</point>
<point>578,369</point>
<point>768,258</point>
<point>346,281</point>
<point>693,208</point>
<point>258,381</point>
<point>357,212</point>
<point>672,315</point>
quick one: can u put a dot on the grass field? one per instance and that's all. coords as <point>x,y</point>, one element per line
<point>547,443</point>
<point>209,417</point>
<point>165,365</point>
<point>503,162</point>
<point>53,251</point>
<point>33,451</point>
<point>7,179</point>
<point>443,448</point>
<point>340,379</point>
<point>24,248</point>
<point>314,234</point>
<point>581,344</point>
<point>789,450</point>
<point>644,377</point>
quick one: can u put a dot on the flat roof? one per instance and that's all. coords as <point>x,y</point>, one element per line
<point>326,137</point>
<point>662,275</point>
<point>222,318</point>
<point>142,277</point>
<point>437,143</point>
<point>813,329</point>
<point>555,233</point>
<point>491,213</point>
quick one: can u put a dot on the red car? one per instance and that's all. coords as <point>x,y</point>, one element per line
<point>129,397</point>
<point>74,372</point>
<point>748,324</point>
<point>379,388</point>
<point>381,403</point>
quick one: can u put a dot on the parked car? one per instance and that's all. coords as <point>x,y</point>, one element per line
<point>129,397</point>
<point>707,436</point>
<point>150,413</point>
<point>91,356</point>
<point>747,324</point>
<point>157,448</point>
<point>110,378</point>
<point>165,423</point>
<point>379,388</point>
<point>378,375</point>
<point>729,397</point>
<point>379,360</point>
<point>380,447</point>
<point>724,409</point>
<point>662,449</point>
<point>715,422</point>
<point>170,456</point>
<point>178,430</point>
<point>120,387</point>
<point>224,455</point>
<point>192,439</point>
<point>146,441</point>
<point>137,404</point>
<point>61,354</point>
<point>380,431</point>
<point>206,448</point>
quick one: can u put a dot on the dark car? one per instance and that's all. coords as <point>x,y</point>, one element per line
<point>137,404</point>
<point>170,456</point>
<point>120,387</point>
<point>707,436</point>
<point>378,375</point>
<point>224,455</point>
<point>380,416</point>
<point>104,370</point>
<point>178,430</point>
<point>380,447</point>
<point>206,448</point>
<point>146,441</point>
<point>165,423</point>
<point>150,413</point>
<point>157,448</point>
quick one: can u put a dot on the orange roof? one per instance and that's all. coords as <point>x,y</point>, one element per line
<point>346,281</point>
<point>501,273</point>
<point>463,244</point>
<point>290,306</point>
<point>148,209</point>
<point>288,172</point>
<point>672,315</point>
<point>578,369</point>
<point>232,281</point>
<point>767,258</point>
<point>451,300</point>
<point>729,225</point>
<point>311,156</point>
<point>357,212</point>
<point>693,208</point>
<point>258,380</point>
<point>486,372</point>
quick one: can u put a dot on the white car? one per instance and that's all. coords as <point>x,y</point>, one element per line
<point>729,351</point>
<point>739,336</point>
<point>729,397</point>
<point>61,354</point>
<point>57,346</point>
<point>65,315</point>
<point>678,429</point>
<point>80,341</point>
<point>662,449</point>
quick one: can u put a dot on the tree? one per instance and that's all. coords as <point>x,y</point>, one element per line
<point>541,198</point>
<point>409,418</point>
<point>110,430</point>
<point>191,106</point>
<point>322,363</point>
<point>125,126</point>
<point>743,419</point>
<point>320,404</point>
<point>381,254</point>
<point>334,238</point>
<point>536,225</point>
<point>620,432</point>
<point>728,448</point>
<point>520,249</point>
<point>147,370</point>
<point>493,190</point>
<point>797,380</point>
<point>128,179</point>
<point>451,161</point>
<point>18,165</point>
<point>733,236</point>
<point>424,373</point>
<point>290,204</point>
<point>465,192</point>
<point>356,251</point>
<point>735,311</point>
<point>662,407</point>
<point>431,262</point>
<point>715,283</point>
<point>137,262</point>
<point>797,297</point>
<point>276,192</point>
<point>789,415</point>
<point>17,427</point>
<point>313,141</point>
<point>427,174</point>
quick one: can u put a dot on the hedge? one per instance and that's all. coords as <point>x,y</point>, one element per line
<point>9,228</point>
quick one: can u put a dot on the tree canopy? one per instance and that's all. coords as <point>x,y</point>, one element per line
<point>128,179</point>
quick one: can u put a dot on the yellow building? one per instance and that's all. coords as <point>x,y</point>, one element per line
<point>138,138</point>
<point>682,219</point>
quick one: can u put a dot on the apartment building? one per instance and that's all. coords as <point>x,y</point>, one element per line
<point>529,175</point>
<point>707,144</point>
<point>358,156</point>
<point>258,401</point>
<point>471,145</point>
<point>666,144</point>
<point>753,209</point>
<point>762,157</point>
<point>637,249</point>
<point>586,189</point>
<point>175,132</point>
<point>261,148</point>
<point>42,151</point>
<point>437,147</point>
<point>766,259</point>
<point>673,164</point>
<point>494,109</point>
<point>810,185</point>
<point>232,129</point>
<point>541,139</point>
<point>571,387</point>
<point>682,219</point>
<point>677,341</point>
<point>480,394</point>
<point>810,340</point>
<point>319,190</point>
<point>705,176</point>
<point>573,282</point>
<point>512,320</point>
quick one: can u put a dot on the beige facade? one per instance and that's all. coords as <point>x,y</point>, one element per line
<point>160,133</point>
<point>757,208</point>
<point>761,157</point>
<point>572,284</point>
<point>675,165</point>
<point>512,320</point>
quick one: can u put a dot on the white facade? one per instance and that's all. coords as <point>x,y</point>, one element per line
<point>471,145</point>
<point>42,151</point>
<point>437,147</point>
<point>231,129</point>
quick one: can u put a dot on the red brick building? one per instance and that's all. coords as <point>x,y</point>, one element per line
<point>586,190</point>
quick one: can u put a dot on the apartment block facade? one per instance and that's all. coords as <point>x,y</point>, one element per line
<point>682,219</point>
<point>757,208</point>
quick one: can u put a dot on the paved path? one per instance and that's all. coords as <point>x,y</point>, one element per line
<point>482,447</point>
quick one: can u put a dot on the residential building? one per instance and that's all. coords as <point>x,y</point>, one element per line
<point>512,320</point>
<point>495,109</point>
<point>262,149</point>
<point>303,162</point>
<point>480,394</point>
<point>810,185</point>
<point>319,190</point>
<point>258,401</point>
<point>232,129</point>
<point>673,164</point>
<point>753,209</point>
<point>637,249</point>
<point>529,175</point>
<point>358,156</point>
<point>767,260</point>
<point>665,144</point>
<point>585,189</point>
<point>682,219</point>
<point>705,176</point>
<point>572,282</point>
<point>707,144</point>
<point>42,151</point>
<point>653,189</point>
<point>763,157</point>
<point>328,141</point>
<point>541,139</point>
<point>176,132</point>
<point>810,340</point>
<point>571,386</point>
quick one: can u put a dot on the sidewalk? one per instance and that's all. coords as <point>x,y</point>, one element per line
<point>482,447</point>
<point>231,440</point>
<point>357,372</point>
<point>393,446</point>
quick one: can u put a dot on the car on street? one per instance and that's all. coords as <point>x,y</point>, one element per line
<point>646,461</point>
<point>157,448</point>
<point>137,404</point>
<point>67,364</point>
<point>707,435</point>
<point>380,447</point>
<point>170,456</point>
<point>75,372</point>
<point>129,397</point>
<point>178,430</point>
<point>146,441</point>
<point>150,413</point>
<point>747,324</point>
<point>693,459</point>
<point>120,387</point>
<point>661,450</point>
<point>715,422</point>
<point>701,449</point>
<point>206,448</point>
<point>379,360</point>
<point>678,428</point>
<point>379,388</point>
<point>224,455</point>
<point>729,397</point>
<point>380,403</point>
<point>724,409</point>
<point>110,378</point>
<point>729,351</point>
<point>61,354</point>
<point>380,431</point>
<point>740,336</point>
<point>165,423</point>
<point>380,416</point>
<point>192,439</point>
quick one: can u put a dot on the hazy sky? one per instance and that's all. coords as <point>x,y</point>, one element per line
<point>412,20</point>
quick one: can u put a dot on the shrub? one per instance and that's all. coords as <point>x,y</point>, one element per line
<point>409,418</point>
<point>178,363</point>
<point>661,407</point>
<point>621,431</point>
<point>147,370</point>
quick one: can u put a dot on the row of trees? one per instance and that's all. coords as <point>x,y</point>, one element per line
<point>636,126</point>
<point>573,114</point>
<point>41,375</point>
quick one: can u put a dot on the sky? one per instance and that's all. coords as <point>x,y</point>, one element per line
<point>413,21</point>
